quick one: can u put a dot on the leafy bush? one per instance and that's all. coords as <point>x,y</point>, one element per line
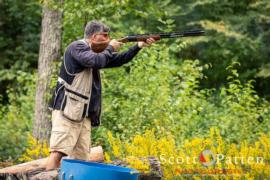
<point>35,150</point>
<point>243,160</point>
<point>156,90</point>
<point>16,117</point>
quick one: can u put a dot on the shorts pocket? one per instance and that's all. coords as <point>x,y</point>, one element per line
<point>58,139</point>
<point>74,109</point>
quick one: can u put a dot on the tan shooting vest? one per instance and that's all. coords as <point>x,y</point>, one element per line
<point>76,100</point>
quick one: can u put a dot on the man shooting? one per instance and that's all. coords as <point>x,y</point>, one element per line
<point>76,102</point>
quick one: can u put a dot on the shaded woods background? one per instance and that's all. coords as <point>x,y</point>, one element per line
<point>182,87</point>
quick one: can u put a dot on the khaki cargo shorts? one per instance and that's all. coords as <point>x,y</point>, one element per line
<point>70,138</point>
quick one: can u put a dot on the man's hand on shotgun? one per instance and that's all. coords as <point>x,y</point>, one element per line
<point>147,43</point>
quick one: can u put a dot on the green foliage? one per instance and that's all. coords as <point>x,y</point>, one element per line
<point>19,32</point>
<point>236,30</point>
<point>16,118</point>
<point>136,17</point>
<point>157,91</point>
<point>19,40</point>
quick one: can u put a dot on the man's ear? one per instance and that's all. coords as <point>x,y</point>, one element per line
<point>89,41</point>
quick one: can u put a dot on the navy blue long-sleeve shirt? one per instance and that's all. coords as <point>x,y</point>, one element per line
<point>79,56</point>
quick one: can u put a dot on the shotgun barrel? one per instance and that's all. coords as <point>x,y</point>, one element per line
<point>158,36</point>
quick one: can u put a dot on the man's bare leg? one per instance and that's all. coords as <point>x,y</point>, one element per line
<point>54,160</point>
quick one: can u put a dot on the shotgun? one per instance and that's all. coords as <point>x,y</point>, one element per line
<point>158,36</point>
<point>100,46</point>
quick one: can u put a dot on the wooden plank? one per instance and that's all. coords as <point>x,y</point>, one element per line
<point>96,155</point>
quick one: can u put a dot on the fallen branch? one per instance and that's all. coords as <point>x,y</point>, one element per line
<point>96,155</point>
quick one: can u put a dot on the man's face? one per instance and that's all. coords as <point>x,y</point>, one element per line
<point>99,41</point>
<point>99,37</point>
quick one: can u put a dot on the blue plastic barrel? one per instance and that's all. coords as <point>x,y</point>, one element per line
<point>81,170</point>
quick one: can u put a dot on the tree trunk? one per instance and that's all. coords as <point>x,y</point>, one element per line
<point>49,51</point>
